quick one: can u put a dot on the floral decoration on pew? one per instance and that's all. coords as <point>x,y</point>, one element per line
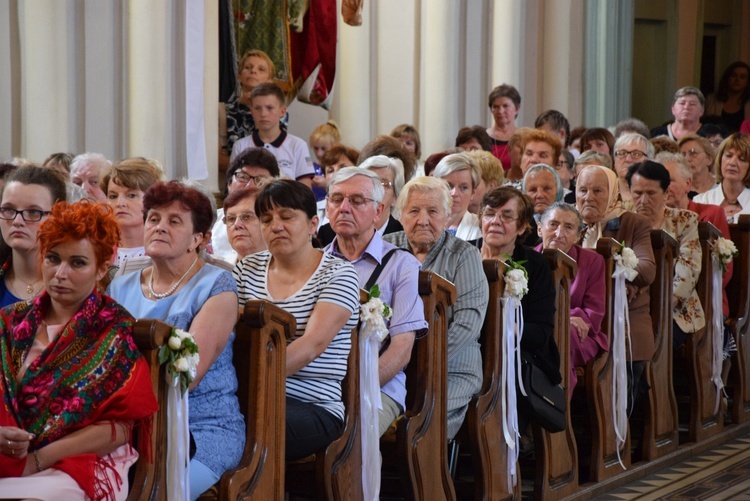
<point>181,352</point>
<point>374,313</point>
<point>725,250</point>
<point>516,278</point>
<point>372,332</point>
<point>627,261</point>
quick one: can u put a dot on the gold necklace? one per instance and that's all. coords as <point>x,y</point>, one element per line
<point>30,287</point>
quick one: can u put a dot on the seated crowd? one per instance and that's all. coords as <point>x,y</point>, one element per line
<point>98,244</point>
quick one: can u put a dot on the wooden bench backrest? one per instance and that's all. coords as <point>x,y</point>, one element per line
<point>557,453</point>
<point>149,480</point>
<point>599,374</point>
<point>738,292</point>
<point>661,434</point>
<point>704,422</point>
<point>422,434</point>
<point>341,469</point>
<point>259,358</point>
<point>482,426</point>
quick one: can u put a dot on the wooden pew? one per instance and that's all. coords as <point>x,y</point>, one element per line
<point>335,473</point>
<point>738,291</point>
<point>259,358</point>
<point>419,450</point>
<point>482,430</point>
<point>661,432</point>
<point>149,478</point>
<point>598,377</point>
<point>557,453</point>
<point>704,422</point>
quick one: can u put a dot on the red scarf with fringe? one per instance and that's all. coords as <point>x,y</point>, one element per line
<point>92,372</point>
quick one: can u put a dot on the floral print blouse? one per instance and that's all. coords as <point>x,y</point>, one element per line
<point>682,225</point>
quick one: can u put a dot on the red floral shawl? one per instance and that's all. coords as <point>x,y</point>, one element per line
<point>91,373</point>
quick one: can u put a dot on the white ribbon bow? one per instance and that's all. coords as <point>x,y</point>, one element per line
<point>178,442</point>
<point>718,329</point>
<point>371,333</point>
<point>511,372</point>
<point>620,329</point>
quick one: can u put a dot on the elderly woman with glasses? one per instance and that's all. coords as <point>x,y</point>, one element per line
<point>700,155</point>
<point>507,217</point>
<point>629,149</point>
<point>424,206</point>
<point>242,223</point>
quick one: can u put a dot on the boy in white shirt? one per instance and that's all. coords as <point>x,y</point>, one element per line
<point>291,152</point>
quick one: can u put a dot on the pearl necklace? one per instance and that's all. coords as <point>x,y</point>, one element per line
<point>171,289</point>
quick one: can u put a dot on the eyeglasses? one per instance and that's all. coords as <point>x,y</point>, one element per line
<point>356,201</point>
<point>246,218</point>
<point>635,154</point>
<point>244,177</point>
<point>559,165</point>
<point>28,215</point>
<point>386,184</point>
<point>691,153</point>
<point>506,217</point>
<point>716,142</point>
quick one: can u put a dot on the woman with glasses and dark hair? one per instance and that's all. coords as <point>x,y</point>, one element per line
<point>27,199</point>
<point>629,149</point>
<point>507,217</point>
<point>242,223</point>
<point>251,167</point>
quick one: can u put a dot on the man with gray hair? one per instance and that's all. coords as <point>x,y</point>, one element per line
<point>85,171</point>
<point>354,203</point>
<point>687,109</point>
<point>390,170</point>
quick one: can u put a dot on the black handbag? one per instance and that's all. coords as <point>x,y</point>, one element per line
<point>545,402</point>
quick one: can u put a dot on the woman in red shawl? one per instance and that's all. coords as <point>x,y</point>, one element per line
<point>73,383</point>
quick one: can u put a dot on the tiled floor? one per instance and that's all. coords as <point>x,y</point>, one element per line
<point>722,473</point>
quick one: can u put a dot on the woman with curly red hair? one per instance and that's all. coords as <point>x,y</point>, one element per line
<point>73,382</point>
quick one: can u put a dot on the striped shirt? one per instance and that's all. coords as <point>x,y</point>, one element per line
<point>334,281</point>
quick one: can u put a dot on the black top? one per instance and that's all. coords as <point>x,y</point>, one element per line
<point>538,304</point>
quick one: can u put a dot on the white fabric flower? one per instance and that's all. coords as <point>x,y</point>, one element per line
<point>181,365</point>
<point>175,343</point>
<point>371,309</point>
<point>629,258</point>
<point>726,248</point>
<point>516,284</point>
<point>626,261</point>
<point>182,334</point>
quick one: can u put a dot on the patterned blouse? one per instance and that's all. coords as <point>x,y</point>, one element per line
<point>682,225</point>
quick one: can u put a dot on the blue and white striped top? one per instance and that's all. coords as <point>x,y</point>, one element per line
<point>334,281</point>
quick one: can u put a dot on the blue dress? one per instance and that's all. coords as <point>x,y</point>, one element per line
<point>6,296</point>
<point>215,419</point>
